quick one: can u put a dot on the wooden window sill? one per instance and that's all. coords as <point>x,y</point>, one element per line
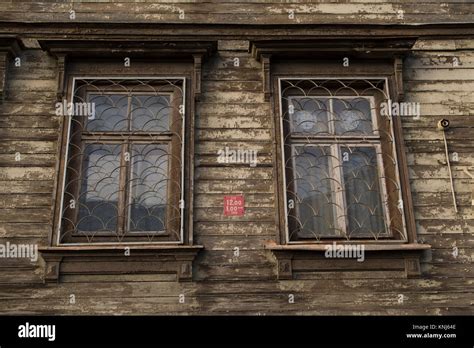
<point>294,260</point>
<point>119,259</point>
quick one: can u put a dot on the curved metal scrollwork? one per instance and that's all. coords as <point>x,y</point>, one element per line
<point>123,170</point>
<point>340,164</point>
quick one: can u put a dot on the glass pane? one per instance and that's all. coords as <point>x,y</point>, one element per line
<point>151,113</point>
<point>309,115</point>
<point>314,197</point>
<point>148,183</point>
<point>362,192</point>
<point>99,188</point>
<point>110,113</point>
<point>352,116</point>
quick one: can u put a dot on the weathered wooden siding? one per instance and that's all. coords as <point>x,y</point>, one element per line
<point>30,128</point>
<point>232,112</point>
<point>240,12</point>
<point>443,91</point>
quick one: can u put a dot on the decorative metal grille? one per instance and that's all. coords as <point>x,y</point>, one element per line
<point>340,162</point>
<point>123,171</point>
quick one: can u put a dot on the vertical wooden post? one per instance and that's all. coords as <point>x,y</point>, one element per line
<point>398,71</point>
<point>3,73</point>
<point>61,76</point>
<point>265,58</point>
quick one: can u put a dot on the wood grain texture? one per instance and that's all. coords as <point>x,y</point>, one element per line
<point>239,12</point>
<point>233,113</point>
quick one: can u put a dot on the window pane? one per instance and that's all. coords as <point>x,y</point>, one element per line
<point>110,113</point>
<point>100,187</point>
<point>362,192</point>
<point>309,115</point>
<point>352,116</point>
<point>148,183</point>
<point>314,197</point>
<point>151,113</point>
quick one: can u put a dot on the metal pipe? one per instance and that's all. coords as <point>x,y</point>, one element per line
<point>450,172</point>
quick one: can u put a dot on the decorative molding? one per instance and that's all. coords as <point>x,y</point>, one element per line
<point>9,47</point>
<point>110,260</point>
<point>185,271</point>
<point>412,267</point>
<point>285,270</point>
<point>61,77</point>
<point>331,48</point>
<point>136,49</point>
<point>401,258</point>
<point>53,265</point>
<point>67,50</point>
<point>197,75</point>
<point>398,78</point>
<point>367,47</point>
<point>3,73</point>
<point>267,89</point>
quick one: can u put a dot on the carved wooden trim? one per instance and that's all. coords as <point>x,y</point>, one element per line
<point>267,91</point>
<point>9,47</point>
<point>401,258</point>
<point>3,73</point>
<point>398,78</point>
<point>185,271</point>
<point>109,260</point>
<point>53,264</point>
<point>61,76</point>
<point>285,270</point>
<point>197,76</point>
<point>336,48</point>
<point>412,267</point>
<point>66,50</point>
<point>131,48</point>
<point>362,47</point>
<point>397,92</point>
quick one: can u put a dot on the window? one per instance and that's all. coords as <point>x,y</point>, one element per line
<point>124,172</point>
<point>342,174</point>
<point>124,184</point>
<point>340,164</point>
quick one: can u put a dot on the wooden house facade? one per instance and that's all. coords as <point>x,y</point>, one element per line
<point>214,157</point>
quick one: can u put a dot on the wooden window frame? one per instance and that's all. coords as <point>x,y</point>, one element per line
<point>150,60</point>
<point>133,137</point>
<point>397,148</point>
<point>337,141</point>
<point>339,195</point>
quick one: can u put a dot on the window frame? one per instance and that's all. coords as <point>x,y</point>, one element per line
<point>160,58</point>
<point>338,194</point>
<point>331,112</point>
<point>373,140</point>
<point>371,57</point>
<point>67,138</point>
<point>282,182</point>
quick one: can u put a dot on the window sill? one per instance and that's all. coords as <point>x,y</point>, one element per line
<point>119,259</point>
<point>298,259</point>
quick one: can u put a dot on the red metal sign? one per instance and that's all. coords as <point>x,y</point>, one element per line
<point>234,205</point>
